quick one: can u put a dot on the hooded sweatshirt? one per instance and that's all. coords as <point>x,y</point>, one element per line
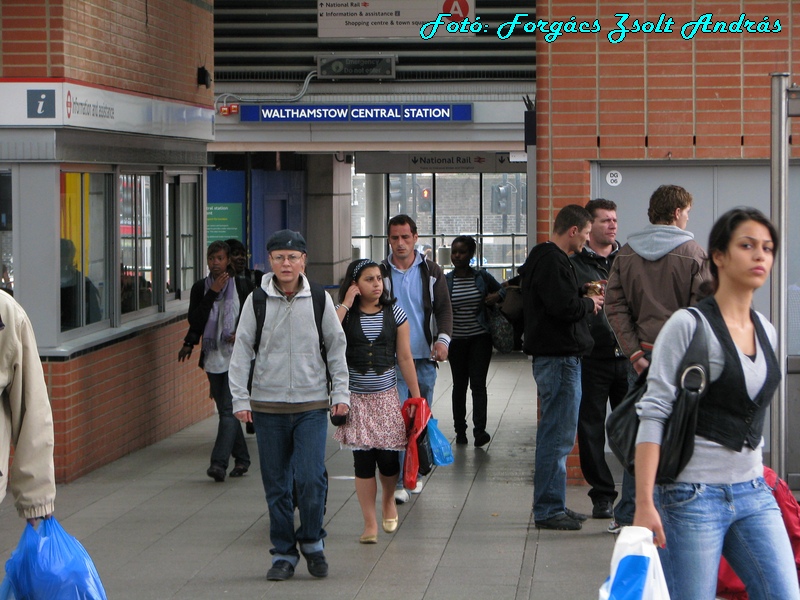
<point>657,272</point>
<point>289,371</point>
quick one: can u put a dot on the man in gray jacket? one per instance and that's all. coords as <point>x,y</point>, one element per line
<point>289,401</point>
<point>658,271</point>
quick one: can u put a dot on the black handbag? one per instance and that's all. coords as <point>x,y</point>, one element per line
<point>677,445</point>
<point>425,452</point>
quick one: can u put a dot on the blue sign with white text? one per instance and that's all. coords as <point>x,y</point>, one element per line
<point>355,113</point>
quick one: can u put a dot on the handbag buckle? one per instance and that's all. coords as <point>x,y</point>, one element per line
<point>694,378</point>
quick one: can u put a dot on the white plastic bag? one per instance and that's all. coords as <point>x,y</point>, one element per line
<point>636,572</point>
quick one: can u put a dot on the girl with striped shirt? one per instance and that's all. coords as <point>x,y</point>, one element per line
<point>377,334</point>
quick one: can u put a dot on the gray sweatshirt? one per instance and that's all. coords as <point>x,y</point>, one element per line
<point>711,462</point>
<point>289,368</point>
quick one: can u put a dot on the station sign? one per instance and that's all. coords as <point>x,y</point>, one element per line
<point>355,113</point>
<point>437,162</point>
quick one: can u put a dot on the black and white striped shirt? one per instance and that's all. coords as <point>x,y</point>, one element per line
<point>467,300</point>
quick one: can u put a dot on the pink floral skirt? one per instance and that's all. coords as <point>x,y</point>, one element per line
<point>375,421</point>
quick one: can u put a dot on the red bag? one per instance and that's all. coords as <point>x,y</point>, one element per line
<point>729,586</point>
<point>414,427</point>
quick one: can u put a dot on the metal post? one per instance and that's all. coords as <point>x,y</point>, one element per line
<point>779,183</point>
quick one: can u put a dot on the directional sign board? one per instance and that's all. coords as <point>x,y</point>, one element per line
<point>355,67</point>
<point>437,162</point>
<point>387,18</point>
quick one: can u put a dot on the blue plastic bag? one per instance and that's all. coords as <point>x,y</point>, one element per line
<point>50,564</point>
<point>442,452</point>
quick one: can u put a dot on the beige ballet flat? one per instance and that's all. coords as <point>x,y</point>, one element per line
<point>390,525</point>
<point>368,539</point>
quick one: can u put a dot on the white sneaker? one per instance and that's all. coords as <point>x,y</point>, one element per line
<point>401,496</point>
<point>418,489</point>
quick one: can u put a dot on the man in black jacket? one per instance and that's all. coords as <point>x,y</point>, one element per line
<point>557,336</point>
<point>604,373</point>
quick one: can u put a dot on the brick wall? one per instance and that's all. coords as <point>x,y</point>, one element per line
<point>150,47</point>
<point>652,96</point>
<point>123,397</point>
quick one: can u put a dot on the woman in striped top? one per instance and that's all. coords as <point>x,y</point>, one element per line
<point>377,334</point>
<point>471,345</point>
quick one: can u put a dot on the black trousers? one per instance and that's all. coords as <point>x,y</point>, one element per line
<point>469,360</point>
<point>602,381</point>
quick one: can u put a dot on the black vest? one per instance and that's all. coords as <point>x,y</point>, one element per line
<point>363,355</point>
<point>727,415</point>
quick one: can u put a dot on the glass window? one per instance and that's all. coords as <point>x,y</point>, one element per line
<point>182,231</point>
<point>6,235</point>
<point>136,241</point>
<point>84,248</point>
<point>188,235</point>
<point>492,207</point>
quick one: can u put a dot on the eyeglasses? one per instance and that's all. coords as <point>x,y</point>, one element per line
<point>292,258</point>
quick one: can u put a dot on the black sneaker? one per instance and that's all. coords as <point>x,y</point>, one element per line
<point>281,571</point>
<point>481,439</point>
<point>602,510</point>
<point>461,439</point>
<point>580,517</point>
<point>561,522</point>
<point>317,565</point>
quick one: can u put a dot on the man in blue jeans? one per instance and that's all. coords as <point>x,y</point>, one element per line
<point>421,291</point>
<point>557,336</point>
<point>289,402</point>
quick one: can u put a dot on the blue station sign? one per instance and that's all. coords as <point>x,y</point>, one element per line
<point>355,113</point>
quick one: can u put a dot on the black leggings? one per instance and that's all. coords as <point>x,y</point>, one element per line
<point>387,461</point>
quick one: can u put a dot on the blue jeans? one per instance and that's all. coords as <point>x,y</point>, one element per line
<point>740,521</point>
<point>558,380</point>
<point>230,438</point>
<point>426,378</point>
<point>291,449</point>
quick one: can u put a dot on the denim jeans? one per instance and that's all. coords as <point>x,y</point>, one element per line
<point>230,438</point>
<point>740,521</point>
<point>602,381</point>
<point>469,360</point>
<point>426,378</point>
<point>291,449</point>
<point>558,380</point>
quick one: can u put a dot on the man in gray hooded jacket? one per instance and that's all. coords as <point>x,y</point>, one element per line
<point>658,271</point>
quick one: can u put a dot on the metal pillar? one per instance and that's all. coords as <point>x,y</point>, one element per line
<point>779,183</point>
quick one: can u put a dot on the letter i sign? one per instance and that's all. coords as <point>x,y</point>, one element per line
<point>457,9</point>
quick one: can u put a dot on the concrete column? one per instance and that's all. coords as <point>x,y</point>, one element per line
<point>328,232</point>
<point>375,188</point>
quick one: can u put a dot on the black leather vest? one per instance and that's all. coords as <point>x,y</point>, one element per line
<point>363,355</point>
<point>727,415</point>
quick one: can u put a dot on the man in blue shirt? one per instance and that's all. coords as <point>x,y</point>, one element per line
<point>421,291</point>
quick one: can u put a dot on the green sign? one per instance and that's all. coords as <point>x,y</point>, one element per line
<point>224,221</point>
